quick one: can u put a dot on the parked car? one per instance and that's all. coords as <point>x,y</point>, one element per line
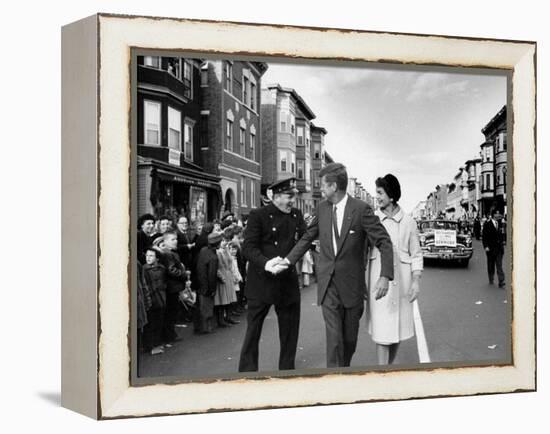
<point>443,239</point>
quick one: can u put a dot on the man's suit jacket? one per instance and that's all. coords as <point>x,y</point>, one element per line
<point>346,268</point>
<point>493,237</point>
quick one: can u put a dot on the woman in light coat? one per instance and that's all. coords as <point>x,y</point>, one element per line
<point>390,318</point>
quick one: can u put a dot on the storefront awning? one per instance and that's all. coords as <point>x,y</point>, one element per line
<point>185,179</point>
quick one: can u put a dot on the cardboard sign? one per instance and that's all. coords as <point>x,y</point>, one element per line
<point>444,237</point>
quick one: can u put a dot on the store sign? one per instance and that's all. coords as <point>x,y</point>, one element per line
<point>174,157</point>
<point>445,238</point>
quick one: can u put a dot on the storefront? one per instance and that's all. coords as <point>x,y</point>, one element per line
<point>173,191</point>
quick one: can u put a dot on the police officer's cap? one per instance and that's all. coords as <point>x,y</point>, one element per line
<point>286,186</point>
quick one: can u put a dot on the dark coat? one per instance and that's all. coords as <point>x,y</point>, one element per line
<point>175,271</point>
<point>186,254</point>
<point>492,237</point>
<point>144,241</point>
<point>270,233</point>
<point>206,272</point>
<point>155,276</point>
<point>346,269</point>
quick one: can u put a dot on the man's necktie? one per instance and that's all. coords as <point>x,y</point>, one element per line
<point>335,224</point>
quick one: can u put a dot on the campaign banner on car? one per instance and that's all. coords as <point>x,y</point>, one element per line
<point>445,237</point>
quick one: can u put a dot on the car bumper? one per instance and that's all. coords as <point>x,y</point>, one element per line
<point>466,254</point>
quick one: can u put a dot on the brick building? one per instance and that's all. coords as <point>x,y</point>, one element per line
<point>231,145</point>
<point>317,160</point>
<point>172,179</point>
<point>286,139</point>
<point>494,164</point>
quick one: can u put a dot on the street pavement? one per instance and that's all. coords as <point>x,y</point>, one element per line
<point>464,319</point>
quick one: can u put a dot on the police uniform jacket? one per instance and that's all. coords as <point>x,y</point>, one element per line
<point>270,233</point>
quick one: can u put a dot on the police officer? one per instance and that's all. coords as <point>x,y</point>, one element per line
<point>271,232</point>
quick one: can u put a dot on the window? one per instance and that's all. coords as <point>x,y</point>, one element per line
<point>283,126</point>
<point>152,123</point>
<point>292,123</point>
<point>282,158</point>
<point>301,169</point>
<point>243,191</point>
<point>253,146</point>
<point>188,139</point>
<point>174,67</point>
<point>242,136</point>
<point>308,171</point>
<point>174,128</point>
<point>188,78</point>
<point>292,163</point>
<point>229,135</point>
<point>153,61</point>
<point>317,150</point>
<point>316,182</point>
<point>252,194</point>
<point>228,76</point>
<point>204,74</point>
<point>487,182</point>
<point>300,133</point>
<point>246,84</point>
<point>252,96</point>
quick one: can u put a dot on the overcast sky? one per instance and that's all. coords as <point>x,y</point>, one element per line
<point>420,126</point>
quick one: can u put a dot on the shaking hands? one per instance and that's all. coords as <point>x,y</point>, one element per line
<point>276,265</point>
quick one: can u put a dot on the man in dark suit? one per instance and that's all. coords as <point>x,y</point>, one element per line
<point>272,232</point>
<point>343,225</point>
<point>493,238</point>
<point>186,242</point>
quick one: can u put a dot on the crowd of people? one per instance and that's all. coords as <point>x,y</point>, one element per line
<point>187,275</point>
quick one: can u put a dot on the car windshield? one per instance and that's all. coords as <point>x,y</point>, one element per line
<point>438,224</point>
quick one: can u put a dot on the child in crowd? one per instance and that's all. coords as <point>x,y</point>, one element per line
<point>175,283</point>
<point>155,277</point>
<point>233,248</point>
<point>225,294</point>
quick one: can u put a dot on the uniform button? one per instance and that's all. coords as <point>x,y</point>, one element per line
<point>270,216</point>
<point>274,229</point>
<point>276,243</point>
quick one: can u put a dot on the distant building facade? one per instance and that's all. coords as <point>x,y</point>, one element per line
<point>286,138</point>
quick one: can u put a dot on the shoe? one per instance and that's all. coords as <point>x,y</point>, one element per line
<point>232,321</point>
<point>501,285</point>
<point>157,350</point>
<point>491,282</point>
<point>203,332</point>
<point>223,324</point>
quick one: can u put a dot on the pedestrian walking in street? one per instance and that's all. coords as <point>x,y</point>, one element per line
<point>343,224</point>
<point>494,239</point>
<point>271,232</point>
<point>175,283</point>
<point>155,277</point>
<point>307,267</point>
<point>390,318</point>
<point>207,279</point>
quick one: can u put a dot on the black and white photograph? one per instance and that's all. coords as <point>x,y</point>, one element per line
<point>293,217</point>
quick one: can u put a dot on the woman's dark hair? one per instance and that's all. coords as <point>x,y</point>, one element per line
<point>144,218</point>
<point>228,233</point>
<point>335,172</point>
<point>391,186</point>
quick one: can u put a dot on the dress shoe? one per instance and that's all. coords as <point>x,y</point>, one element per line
<point>232,321</point>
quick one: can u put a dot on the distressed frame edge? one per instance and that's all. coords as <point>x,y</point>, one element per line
<point>79,138</point>
<point>530,384</point>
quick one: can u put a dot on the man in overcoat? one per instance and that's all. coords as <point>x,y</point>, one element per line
<point>343,225</point>
<point>493,239</point>
<point>272,232</point>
